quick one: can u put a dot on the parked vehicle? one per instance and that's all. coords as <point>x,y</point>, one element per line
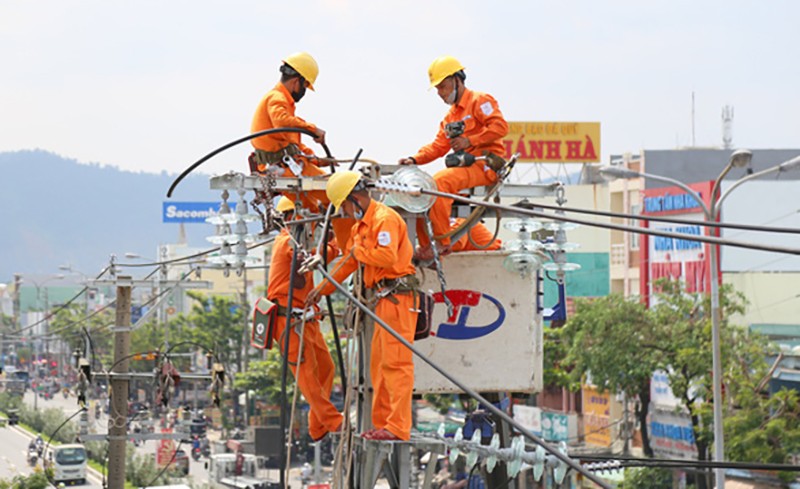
<point>68,463</point>
<point>236,471</point>
<point>182,461</point>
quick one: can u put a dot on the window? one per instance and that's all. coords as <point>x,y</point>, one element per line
<point>636,209</point>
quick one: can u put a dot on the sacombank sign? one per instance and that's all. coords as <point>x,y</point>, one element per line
<point>458,326</point>
<point>191,211</point>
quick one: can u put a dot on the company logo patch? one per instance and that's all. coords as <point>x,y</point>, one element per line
<point>384,238</point>
<point>457,326</point>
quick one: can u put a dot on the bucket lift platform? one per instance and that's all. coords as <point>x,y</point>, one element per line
<point>392,459</point>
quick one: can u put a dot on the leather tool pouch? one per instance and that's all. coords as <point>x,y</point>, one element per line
<point>425,316</point>
<point>264,315</point>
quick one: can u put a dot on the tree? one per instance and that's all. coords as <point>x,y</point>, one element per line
<point>37,480</point>
<point>687,348</point>
<point>264,378</point>
<point>615,340</point>
<point>72,324</point>
<point>647,478</point>
<point>217,323</point>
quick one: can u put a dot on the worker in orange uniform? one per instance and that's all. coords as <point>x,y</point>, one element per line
<point>316,369</point>
<point>479,239</point>
<point>285,150</point>
<point>482,133</point>
<point>379,242</point>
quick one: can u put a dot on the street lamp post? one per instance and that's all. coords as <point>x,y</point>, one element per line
<point>39,286</point>
<point>739,158</point>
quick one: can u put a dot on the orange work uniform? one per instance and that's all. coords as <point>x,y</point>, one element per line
<point>277,109</point>
<point>480,235</point>
<point>380,242</point>
<point>317,370</point>
<point>485,128</point>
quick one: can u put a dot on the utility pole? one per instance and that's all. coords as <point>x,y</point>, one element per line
<point>246,346</point>
<point>118,416</point>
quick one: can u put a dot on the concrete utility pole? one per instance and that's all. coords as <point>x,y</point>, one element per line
<point>118,416</point>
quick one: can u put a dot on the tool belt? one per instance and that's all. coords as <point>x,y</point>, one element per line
<point>423,301</point>
<point>296,313</point>
<point>259,159</point>
<point>404,284</point>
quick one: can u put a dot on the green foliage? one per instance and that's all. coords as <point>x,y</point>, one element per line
<point>37,480</point>
<point>557,369</point>
<point>264,377</point>
<point>687,342</point>
<point>69,322</point>
<point>217,323</point>
<point>6,322</point>
<point>767,430</point>
<point>440,402</point>
<point>9,401</point>
<point>142,471</point>
<point>615,340</point>
<point>647,478</point>
<point>620,343</point>
<point>47,422</point>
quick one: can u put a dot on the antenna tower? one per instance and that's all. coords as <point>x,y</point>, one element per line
<point>727,127</point>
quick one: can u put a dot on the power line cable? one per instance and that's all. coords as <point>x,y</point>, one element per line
<point>618,227</point>
<point>62,306</point>
<point>675,220</point>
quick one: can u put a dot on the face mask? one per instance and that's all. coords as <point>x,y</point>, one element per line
<point>358,212</point>
<point>451,99</point>
<point>296,96</point>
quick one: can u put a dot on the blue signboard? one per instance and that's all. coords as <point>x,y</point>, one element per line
<point>191,211</point>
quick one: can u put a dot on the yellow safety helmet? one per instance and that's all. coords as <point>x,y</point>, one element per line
<point>442,67</point>
<point>304,64</point>
<point>284,204</point>
<point>340,185</point>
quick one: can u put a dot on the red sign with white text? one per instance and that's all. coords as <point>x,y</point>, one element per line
<point>686,260</point>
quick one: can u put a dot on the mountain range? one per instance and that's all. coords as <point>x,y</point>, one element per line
<point>58,211</point>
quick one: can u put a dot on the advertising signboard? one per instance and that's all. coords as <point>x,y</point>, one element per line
<point>596,416</point>
<point>671,435</point>
<point>190,211</point>
<point>553,142</point>
<point>675,259</point>
<point>555,426</point>
<point>529,417</point>
<point>493,340</point>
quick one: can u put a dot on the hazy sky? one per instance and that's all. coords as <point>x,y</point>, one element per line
<point>154,85</point>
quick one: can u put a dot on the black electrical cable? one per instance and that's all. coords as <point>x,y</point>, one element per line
<point>187,258</point>
<point>658,462</point>
<point>645,217</point>
<point>618,227</point>
<point>328,299</point>
<point>285,365</point>
<point>62,306</point>
<point>236,142</point>
<point>70,324</point>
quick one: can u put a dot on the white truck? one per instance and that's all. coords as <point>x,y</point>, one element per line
<point>237,471</point>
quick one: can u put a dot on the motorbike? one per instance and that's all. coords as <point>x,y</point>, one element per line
<point>33,457</point>
<point>196,453</point>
